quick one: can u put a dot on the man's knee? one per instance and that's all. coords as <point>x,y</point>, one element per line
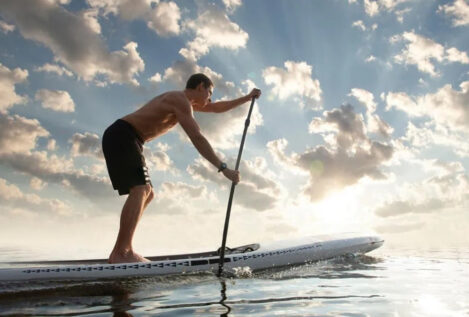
<point>144,191</point>
<point>151,195</point>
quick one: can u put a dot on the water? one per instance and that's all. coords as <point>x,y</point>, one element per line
<point>406,283</point>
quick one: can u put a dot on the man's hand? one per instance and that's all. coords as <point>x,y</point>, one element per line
<point>232,175</point>
<point>256,93</point>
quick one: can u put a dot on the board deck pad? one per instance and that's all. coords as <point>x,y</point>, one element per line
<point>255,256</point>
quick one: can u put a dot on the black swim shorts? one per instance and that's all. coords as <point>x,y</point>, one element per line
<point>123,152</point>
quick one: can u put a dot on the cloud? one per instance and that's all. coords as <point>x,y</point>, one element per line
<point>294,80</point>
<point>257,190</point>
<point>445,107</point>
<point>373,8</point>
<point>87,144</point>
<point>212,28</point>
<point>232,5</point>
<point>19,134</point>
<point>359,24</point>
<point>90,17</point>
<point>365,97</point>
<point>13,197</point>
<point>37,184</point>
<point>458,10</point>
<point>447,188</point>
<point>349,155</point>
<point>399,228</point>
<point>73,41</point>
<point>159,160</point>
<point>155,78</point>
<point>5,27</point>
<point>160,16</point>
<point>57,100</point>
<point>422,52</point>
<point>51,68</point>
<point>18,141</point>
<point>8,80</point>
<point>180,198</point>
<point>374,123</point>
<point>430,134</point>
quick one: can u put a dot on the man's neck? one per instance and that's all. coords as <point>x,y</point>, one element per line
<point>189,95</point>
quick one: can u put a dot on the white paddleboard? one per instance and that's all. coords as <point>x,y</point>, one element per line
<point>254,256</point>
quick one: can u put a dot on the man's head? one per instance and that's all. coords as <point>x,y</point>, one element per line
<point>202,87</point>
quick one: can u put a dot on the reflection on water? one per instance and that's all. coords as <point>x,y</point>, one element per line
<point>427,285</point>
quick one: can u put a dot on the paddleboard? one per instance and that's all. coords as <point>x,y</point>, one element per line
<point>255,256</point>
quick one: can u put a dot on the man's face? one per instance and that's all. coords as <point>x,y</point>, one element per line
<point>205,94</point>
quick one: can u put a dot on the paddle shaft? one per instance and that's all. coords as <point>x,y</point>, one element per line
<point>233,185</point>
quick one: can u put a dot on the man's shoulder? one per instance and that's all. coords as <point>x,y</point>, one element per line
<point>177,98</point>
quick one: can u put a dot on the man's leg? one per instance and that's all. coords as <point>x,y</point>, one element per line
<point>136,202</point>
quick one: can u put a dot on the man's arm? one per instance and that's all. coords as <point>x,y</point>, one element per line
<point>223,106</point>
<point>186,120</point>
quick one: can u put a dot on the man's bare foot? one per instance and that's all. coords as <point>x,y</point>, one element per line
<point>126,257</point>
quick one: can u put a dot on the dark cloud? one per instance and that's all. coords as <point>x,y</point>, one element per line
<point>349,156</point>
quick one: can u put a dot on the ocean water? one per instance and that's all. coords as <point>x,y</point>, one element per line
<point>381,283</point>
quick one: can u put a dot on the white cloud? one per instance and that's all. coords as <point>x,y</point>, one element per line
<point>359,24</point>
<point>57,100</point>
<point>87,144</point>
<point>51,145</point>
<point>446,107</point>
<point>182,198</point>
<point>371,7</point>
<point>8,80</point>
<point>160,16</point>
<point>155,78</point>
<point>37,184</point>
<point>374,123</point>
<point>447,188</point>
<point>212,28</point>
<point>90,16</point>
<point>5,27</point>
<point>458,10</point>
<point>370,58</point>
<point>159,160</point>
<point>375,7</point>
<point>365,97</point>
<point>19,134</point>
<point>456,56</point>
<point>422,52</point>
<point>51,68</point>
<point>430,135</point>
<point>295,80</point>
<point>164,19</point>
<point>77,45</point>
<point>232,5</point>
<point>13,197</point>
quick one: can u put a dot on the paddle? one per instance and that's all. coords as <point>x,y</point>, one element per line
<point>233,185</point>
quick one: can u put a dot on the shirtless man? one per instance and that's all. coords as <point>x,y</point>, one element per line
<point>123,146</point>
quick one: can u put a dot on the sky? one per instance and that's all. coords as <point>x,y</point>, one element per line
<point>362,125</point>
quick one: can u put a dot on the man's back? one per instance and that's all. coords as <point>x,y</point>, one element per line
<point>158,115</point>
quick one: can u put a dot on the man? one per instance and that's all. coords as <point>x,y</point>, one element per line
<point>123,146</point>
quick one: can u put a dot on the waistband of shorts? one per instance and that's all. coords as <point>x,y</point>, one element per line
<point>131,127</point>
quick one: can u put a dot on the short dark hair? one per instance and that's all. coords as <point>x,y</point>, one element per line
<point>196,79</point>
